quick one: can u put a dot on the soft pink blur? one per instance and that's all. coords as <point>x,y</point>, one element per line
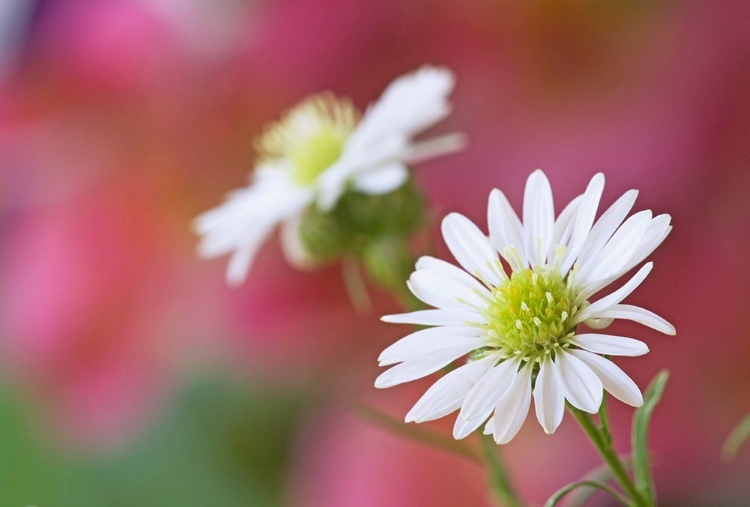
<point>116,129</point>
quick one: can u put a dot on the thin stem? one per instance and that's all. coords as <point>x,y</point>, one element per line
<point>431,438</point>
<point>609,455</point>
<point>604,420</point>
<point>498,476</point>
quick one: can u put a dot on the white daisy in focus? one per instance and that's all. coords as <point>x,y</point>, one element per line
<point>319,149</point>
<point>520,328</point>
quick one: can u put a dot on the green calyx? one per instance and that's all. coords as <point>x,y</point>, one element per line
<point>529,314</point>
<point>376,230</point>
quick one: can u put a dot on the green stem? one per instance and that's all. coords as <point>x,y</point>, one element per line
<point>607,452</point>
<point>497,474</point>
<point>431,438</point>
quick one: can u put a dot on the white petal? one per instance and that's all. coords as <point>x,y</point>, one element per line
<point>505,227</point>
<point>443,292</point>
<point>637,314</point>
<point>438,266</point>
<point>607,225</point>
<point>610,345</point>
<point>417,368</point>
<point>431,341</point>
<point>583,389</point>
<point>470,247</point>
<point>583,220</point>
<point>383,179</point>
<point>239,263</point>
<point>246,218</point>
<point>490,388</point>
<point>435,318</point>
<point>614,380</point>
<point>410,104</point>
<point>434,147</point>
<point>292,247</point>
<point>512,409</point>
<point>656,233</point>
<point>447,394</point>
<point>564,224</point>
<point>549,397</point>
<point>538,217</point>
<point>618,250</point>
<point>617,296</point>
<point>463,428</point>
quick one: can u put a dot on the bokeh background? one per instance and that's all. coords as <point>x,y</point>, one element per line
<point>131,376</point>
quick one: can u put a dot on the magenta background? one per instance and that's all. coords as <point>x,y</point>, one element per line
<point>118,125</point>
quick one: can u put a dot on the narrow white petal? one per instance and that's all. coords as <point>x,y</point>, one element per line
<point>505,227</point>
<point>439,266</point>
<point>583,389</point>
<point>239,263</point>
<point>549,397</point>
<point>616,297</point>
<point>490,388</point>
<point>410,104</point>
<point>563,228</point>
<point>443,292</point>
<point>242,222</point>
<point>512,409</point>
<point>437,146</point>
<point>618,250</point>
<point>637,314</point>
<point>607,225</point>
<point>447,394</point>
<point>292,247</point>
<point>417,368</point>
<point>656,233</point>
<point>584,220</point>
<point>463,427</point>
<point>435,318</point>
<point>614,380</point>
<point>489,428</point>
<point>381,180</point>
<point>610,345</point>
<point>470,247</point>
<point>538,217</point>
<point>431,341</point>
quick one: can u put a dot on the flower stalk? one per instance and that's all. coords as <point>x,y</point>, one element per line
<point>498,476</point>
<point>601,439</point>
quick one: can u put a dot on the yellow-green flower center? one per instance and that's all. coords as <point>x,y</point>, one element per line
<point>309,138</point>
<point>529,314</point>
<point>315,154</point>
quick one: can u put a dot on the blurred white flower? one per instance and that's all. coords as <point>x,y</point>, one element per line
<point>319,149</point>
<point>523,326</point>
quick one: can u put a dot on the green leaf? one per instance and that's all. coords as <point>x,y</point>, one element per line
<point>554,499</point>
<point>737,437</point>
<point>601,473</point>
<point>641,463</point>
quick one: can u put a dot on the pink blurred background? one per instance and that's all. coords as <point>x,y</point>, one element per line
<point>120,120</point>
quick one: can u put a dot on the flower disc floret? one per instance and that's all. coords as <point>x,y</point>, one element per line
<point>530,313</point>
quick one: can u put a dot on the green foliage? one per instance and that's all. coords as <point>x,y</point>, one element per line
<point>222,445</point>
<point>641,420</point>
<point>560,494</point>
<point>740,434</point>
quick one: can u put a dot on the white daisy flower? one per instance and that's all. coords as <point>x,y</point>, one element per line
<point>520,327</point>
<point>316,151</point>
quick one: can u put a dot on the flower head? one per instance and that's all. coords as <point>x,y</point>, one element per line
<point>518,321</point>
<point>320,148</point>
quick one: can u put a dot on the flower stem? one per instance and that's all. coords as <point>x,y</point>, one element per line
<point>603,444</point>
<point>431,438</point>
<point>498,476</point>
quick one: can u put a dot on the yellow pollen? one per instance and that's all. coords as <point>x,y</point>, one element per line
<point>309,138</point>
<point>529,313</point>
